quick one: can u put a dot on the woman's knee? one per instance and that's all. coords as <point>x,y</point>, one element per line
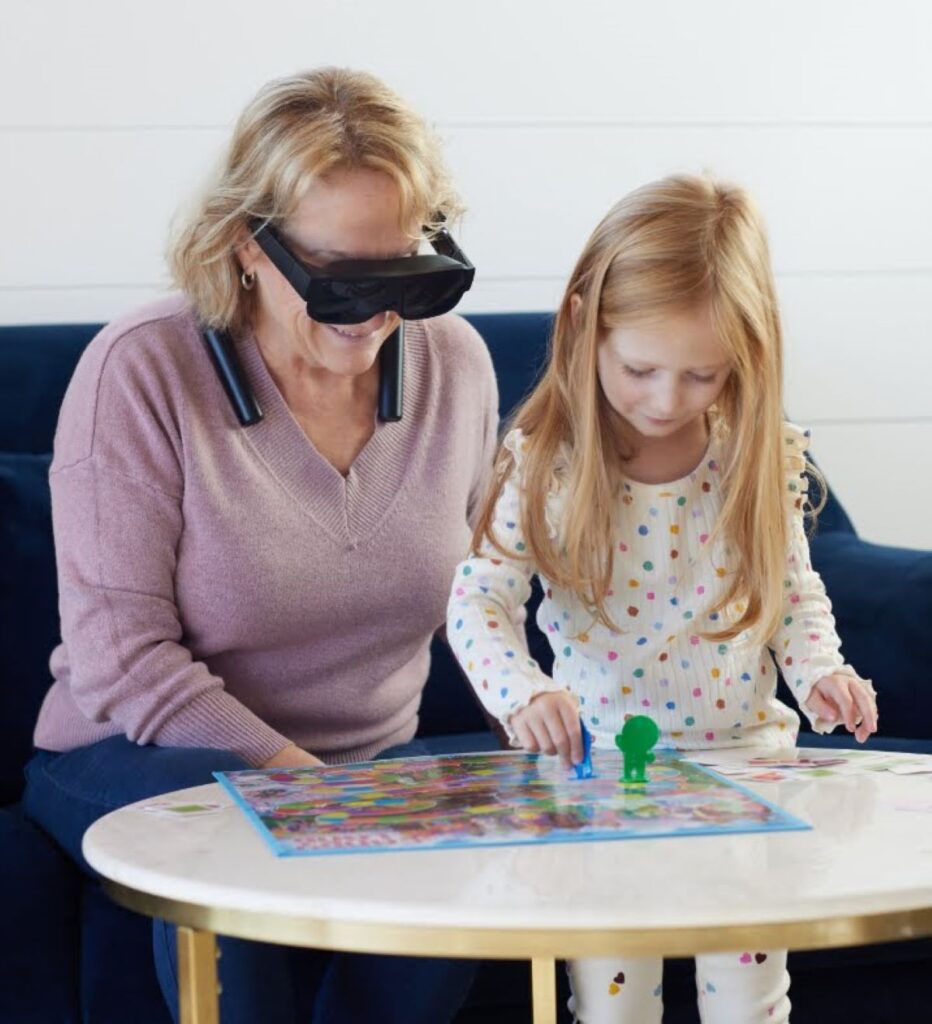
<point>67,792</point>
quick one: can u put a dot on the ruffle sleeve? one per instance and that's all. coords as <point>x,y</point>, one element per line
<point>806,646</point>
<point>517,443</point>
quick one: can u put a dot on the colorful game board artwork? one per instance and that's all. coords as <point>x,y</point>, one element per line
<point>489,800</point>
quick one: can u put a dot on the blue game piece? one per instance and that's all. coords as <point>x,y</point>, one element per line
<point>584,768</point>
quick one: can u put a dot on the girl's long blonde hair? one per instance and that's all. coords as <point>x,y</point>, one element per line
<point>667,247</point>
<point>295,130</point>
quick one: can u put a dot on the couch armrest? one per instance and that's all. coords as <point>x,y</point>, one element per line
<point>882,600</point>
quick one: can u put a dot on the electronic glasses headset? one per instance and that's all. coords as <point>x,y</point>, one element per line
<point>351,292</point>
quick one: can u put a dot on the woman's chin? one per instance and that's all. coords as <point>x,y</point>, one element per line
<point>354,364</point>
<point>347,355</point>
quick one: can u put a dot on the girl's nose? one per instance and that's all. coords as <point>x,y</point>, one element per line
<point>667,400</point>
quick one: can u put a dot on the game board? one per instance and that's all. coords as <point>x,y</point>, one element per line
<point>489,800</point>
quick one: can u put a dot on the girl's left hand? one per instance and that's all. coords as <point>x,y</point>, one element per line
<point>841,697</point>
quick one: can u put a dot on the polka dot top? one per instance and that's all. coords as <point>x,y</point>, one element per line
<point>668,575</point>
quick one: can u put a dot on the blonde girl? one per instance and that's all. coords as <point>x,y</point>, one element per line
<point>651,483</point>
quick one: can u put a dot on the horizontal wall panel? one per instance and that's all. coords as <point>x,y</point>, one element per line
<point>510,295</point>
<point>533,206</point>
<point>100,303</point>
<point>534,195</point>
<point>106,203</point>
<point>178,63</point>
<point>858,346</point>
<point>882,474</point>
<point>72,305</point>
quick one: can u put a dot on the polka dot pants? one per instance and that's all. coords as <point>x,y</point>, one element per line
<point>748,987</point>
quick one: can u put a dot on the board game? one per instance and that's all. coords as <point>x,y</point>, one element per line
<point>494,799</point>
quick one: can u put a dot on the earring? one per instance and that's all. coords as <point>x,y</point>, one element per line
<point>248,280</point>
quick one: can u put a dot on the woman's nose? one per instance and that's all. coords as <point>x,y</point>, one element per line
<point>375,323</point>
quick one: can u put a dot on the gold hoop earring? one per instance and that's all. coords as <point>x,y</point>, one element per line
<point>248,280</point>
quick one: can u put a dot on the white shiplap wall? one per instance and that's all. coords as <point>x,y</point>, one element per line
<point>110,113</point>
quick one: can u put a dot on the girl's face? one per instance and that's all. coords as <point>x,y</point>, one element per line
<point>662,374</point>
<point>350,214</point>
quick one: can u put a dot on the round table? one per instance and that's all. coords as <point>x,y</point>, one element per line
<point>862,874</point>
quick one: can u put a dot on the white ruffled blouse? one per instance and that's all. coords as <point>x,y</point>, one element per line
<point>667,578</point>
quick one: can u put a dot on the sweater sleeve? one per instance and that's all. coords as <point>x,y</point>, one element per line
<point>485,614</point>
<point>806,644</point>
<point>117,483</point>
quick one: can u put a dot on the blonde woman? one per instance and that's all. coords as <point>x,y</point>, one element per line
<point>652,484</point>
<point>253,554</point>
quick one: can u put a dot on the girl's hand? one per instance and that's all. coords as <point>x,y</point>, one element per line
<point>841,697</point>
<point>550,725</point>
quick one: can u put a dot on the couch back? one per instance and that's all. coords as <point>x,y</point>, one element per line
<point>36,363</point>
<point>37,360</point>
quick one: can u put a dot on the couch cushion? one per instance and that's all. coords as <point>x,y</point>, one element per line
<point>832,518</point>
<point>882,601</point>
<point>518,345</point>
<point>481,742</point>
<point>39,893</point>
<point>107,994</point>
<point>36,363</point>
<point>28,608</point>
<point>448,704</point>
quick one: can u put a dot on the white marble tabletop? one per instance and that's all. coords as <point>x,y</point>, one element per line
<point>869,853</point>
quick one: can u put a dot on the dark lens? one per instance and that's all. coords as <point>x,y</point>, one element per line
<point>352,300</point>
<point>427,295</point>
<point>346,301</point>
<point>361,289</point>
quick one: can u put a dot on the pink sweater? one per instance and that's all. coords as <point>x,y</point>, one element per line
<point>227,587</point>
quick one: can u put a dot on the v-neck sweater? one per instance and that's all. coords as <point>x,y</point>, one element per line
<point>228,587</point>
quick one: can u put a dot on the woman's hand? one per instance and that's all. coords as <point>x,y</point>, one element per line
<point>846,698</point>
<point>550,725</point>
<point>293,757</point>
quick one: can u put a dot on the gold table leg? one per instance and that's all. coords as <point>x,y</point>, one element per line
<point>197,977</point>
<point>544,990</point>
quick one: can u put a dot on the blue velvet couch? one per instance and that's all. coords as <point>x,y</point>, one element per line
<point>70,955</point>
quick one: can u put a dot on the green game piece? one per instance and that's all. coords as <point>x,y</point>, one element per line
<point>634,741</point>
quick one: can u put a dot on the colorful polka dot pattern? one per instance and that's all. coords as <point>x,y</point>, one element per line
<point>702,693</point>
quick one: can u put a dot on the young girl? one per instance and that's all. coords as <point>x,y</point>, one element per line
<point>651,483</point>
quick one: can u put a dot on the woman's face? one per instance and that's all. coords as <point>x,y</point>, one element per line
<point>349,214</point>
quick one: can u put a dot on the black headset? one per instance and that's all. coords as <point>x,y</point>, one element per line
<point>352,291</point>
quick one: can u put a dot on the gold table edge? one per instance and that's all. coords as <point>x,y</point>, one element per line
<point>527,943</point>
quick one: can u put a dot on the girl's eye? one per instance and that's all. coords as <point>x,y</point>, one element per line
<point>702,380</point>
<point>630,370</point>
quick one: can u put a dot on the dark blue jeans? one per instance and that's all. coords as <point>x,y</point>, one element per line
<point>66,793</point>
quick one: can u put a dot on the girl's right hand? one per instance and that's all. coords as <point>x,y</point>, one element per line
<point>550,725</point>
<point>293,757</point>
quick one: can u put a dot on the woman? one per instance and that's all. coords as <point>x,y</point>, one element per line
<point>265,595</point>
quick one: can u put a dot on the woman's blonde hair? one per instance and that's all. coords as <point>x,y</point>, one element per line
<point>668,247</point>
<point>298,129</point>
